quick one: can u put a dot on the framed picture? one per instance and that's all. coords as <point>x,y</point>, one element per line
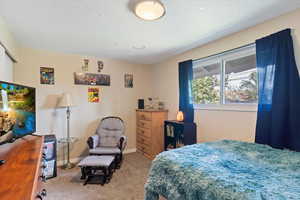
<point>85,67</point>
<point>47,75</point>
<point>100,65</point>
<point>91,79</point>
<point>93,95</point>
<point>128,80</point>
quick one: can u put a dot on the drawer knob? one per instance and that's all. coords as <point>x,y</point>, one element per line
<point>42,194</point>
<point>43,177</point>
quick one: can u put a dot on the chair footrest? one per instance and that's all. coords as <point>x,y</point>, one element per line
<point>99,168</point>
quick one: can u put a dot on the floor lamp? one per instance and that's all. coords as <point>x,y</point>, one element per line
<point>66,102</point>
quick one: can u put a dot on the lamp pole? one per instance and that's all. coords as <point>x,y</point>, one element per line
<point>69,165</point>
<point>66,103</point>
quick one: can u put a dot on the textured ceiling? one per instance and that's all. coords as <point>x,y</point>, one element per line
<point>108,28</point>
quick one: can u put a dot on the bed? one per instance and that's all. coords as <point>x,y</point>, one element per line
<point>225,170</point>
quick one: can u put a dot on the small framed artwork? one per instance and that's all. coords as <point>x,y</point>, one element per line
<point>128,80</point>
<point>93,95</point>
<point>47,75</point>
<point>85,67</point>
<point>100,65</point>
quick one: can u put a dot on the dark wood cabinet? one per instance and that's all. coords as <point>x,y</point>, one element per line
<point>178,134</point>
<point>21,176</point>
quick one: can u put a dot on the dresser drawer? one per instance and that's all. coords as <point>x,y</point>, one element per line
<point>143,140</point>
<point>140,147</point>
<point>144,124</point>
<point>144,116</point>
<point>147,150</point>
<point>144,148</point>
<point>143,132</point>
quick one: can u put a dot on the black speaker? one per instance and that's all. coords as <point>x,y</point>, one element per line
<point>141,104</point>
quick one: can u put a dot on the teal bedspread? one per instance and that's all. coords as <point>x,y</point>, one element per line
<point>225,170</point>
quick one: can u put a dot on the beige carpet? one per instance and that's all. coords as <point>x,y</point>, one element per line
<point>127,183</point>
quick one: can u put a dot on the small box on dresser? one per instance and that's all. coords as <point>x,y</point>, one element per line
<point>149,133</point>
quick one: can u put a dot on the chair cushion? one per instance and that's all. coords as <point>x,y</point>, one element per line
<point>110,131</point>
<point>109,138</point>
<point>105,150</point>
<point>112,124</point>
<point>96,161</point>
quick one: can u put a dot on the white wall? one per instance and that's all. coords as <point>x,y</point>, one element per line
<point>115,100</point>
<point>6,66</point>
<point>8,45</point>
<point>7,40</point>
<point>215,125</point>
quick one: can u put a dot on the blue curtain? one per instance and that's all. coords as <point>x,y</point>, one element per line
<point>185,97</point>
<point>278,118</point>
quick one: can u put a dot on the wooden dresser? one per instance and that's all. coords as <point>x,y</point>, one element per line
<point>149,133</point>
<point>21,175</point>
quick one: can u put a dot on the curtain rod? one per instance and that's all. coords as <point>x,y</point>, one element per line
<point>224,52</point>
<point>8,53</point>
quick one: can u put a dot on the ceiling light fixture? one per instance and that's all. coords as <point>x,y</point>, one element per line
<point>149,9</point>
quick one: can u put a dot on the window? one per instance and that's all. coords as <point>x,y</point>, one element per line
<point>206,85</point>
<point>228,78</point>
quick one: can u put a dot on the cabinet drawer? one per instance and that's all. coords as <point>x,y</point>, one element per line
<point>143,148</point>
<point>144,116</point>
<point>147,150</point>
<point>143,140</point>
<point>143,132</point>
<point>139,147</point>
<point>144,124</point>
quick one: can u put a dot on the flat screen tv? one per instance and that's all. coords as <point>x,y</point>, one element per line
<point>17,111</point>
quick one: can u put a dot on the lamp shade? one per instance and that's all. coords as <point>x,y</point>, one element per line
<point>65,101</point>
<point>180,116</point>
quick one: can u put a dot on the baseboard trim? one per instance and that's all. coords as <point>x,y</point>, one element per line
<point>130,151</point>
<point>78,159</point>
<point>60,163</point>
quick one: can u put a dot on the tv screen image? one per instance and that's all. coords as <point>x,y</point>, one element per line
<point>17,110</point>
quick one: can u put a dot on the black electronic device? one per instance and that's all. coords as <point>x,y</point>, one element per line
<point>17,111</point>
<point>141,104</point>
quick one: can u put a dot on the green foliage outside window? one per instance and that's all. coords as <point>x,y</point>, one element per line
<point>205,90</point>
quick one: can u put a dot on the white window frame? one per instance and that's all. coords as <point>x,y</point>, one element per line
<point>222,59</point>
